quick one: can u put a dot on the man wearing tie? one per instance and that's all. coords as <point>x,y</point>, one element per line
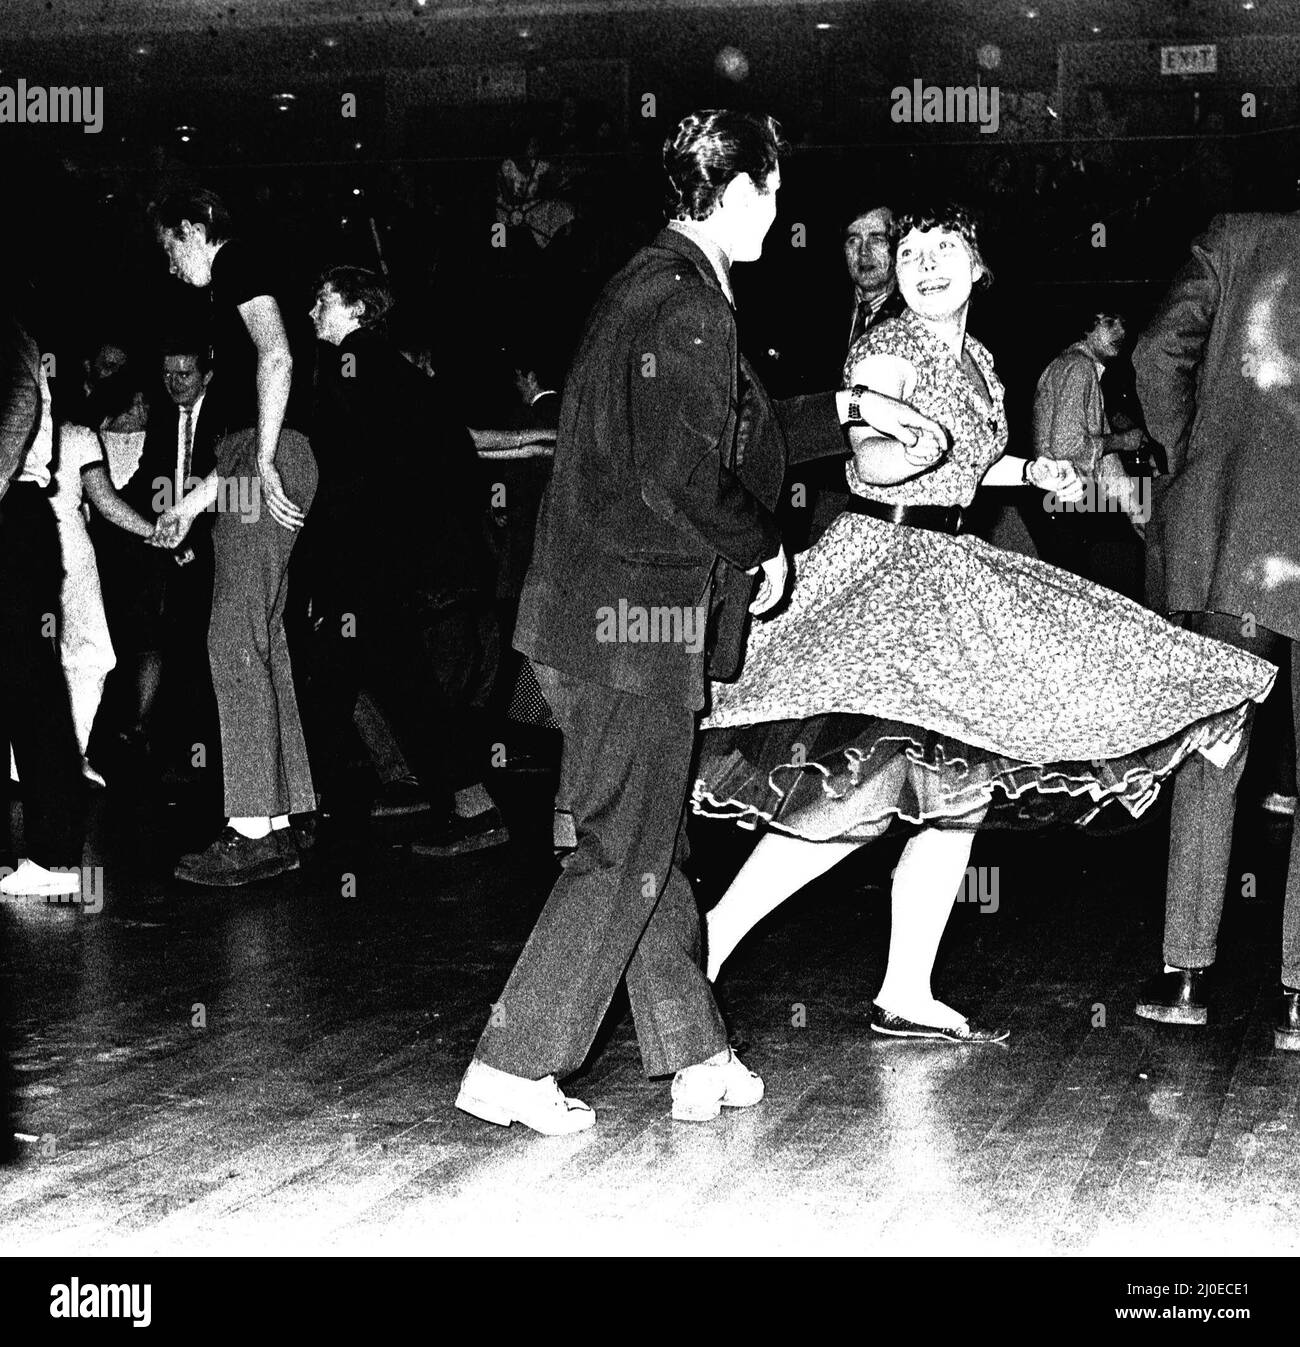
<point>165,598</point>
<point>869,258</point>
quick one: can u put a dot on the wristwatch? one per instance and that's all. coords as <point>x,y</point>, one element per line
<point>1024,474</point>
<point>856,394</point>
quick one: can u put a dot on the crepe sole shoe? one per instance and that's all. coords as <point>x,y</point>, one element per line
<point>498,1097</point>
<point>234,860</point>
<point>1175,998</point>
<point>30,880</point>
<point>1286,1034</point>
<point>895,1026</point>
<point>702,1091</point>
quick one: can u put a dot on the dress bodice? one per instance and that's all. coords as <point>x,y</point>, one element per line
<point>978,428</point>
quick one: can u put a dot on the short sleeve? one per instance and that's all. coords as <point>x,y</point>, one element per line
<point>240,273</point>
<point>891,375</point>
<point>80,449</point>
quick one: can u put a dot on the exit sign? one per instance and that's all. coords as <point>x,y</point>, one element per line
<point>1202,60</point>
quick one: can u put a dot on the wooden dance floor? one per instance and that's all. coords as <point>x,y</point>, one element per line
<point>272,1070</point>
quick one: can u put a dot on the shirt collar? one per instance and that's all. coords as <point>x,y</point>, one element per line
<point>717,258</point>
<point>1099,364</point>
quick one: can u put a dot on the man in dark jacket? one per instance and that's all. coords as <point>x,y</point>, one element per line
<point>400,567</point>
<point>35,715</point>
<point>669,461</point>
<point>1218,374</point>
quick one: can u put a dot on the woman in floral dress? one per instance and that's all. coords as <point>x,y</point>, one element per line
<point>920,674</point>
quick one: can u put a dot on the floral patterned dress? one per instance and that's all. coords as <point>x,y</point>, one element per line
<point>933,678</point>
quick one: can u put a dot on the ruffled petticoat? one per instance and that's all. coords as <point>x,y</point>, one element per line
<point>936,679</point>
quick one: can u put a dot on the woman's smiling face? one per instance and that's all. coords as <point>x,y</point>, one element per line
<point>935,272</point>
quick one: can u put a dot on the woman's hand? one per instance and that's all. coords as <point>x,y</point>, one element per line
<point>283,510</point>
<point>772,586</point>
<point>1057,475</point>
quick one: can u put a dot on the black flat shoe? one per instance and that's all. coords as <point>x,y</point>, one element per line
<point>1286,1034</point>
<point>895,1026</point>
<point>1175,998</point>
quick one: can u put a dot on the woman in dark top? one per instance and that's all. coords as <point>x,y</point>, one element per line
<point>261,489</point>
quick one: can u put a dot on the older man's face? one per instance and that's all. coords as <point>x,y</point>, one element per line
<point>866,251</point>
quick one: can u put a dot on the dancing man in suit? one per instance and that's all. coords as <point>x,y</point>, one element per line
<point>1218,375</point>
<point>669,460</point>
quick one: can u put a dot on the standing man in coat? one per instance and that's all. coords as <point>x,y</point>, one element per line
<point>1218,374</point>
<point>669,460</point>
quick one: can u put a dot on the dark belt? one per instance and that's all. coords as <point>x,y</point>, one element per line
<point>938,518</point>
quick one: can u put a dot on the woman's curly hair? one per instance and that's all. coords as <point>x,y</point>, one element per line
<point>950,215</point>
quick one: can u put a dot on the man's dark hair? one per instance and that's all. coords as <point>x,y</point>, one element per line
<point>179,344</point>
<point>949,215</point>
<point>710,148</point>
<point>865,208</point>
<point>111,396</point>
<point>197,205</point>
<point>356,285</point>
<point>1089,315</point>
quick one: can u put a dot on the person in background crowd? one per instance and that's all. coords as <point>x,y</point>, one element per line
<point>1070,423</point>
<point>1215,375</point>
<point>161,605</point>
<point>85,645</point>
<point>35,715</point>
<point>267,472</point>
<point>869,260</point>
<point>400,548</point>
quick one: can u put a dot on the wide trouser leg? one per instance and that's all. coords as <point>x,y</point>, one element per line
<point>85,647</point>
<point>1200,834</point>
<point>621,904</point>
<point>1291,906</point>
<point>35,715</point>
<point>264,755</point>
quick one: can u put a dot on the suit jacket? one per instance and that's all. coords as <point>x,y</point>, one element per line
<point>20,398</point>
<point>158,457</point>
<point>669,461</point>
<point>1218,375</point>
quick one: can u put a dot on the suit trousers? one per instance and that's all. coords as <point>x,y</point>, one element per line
<point>1200,837</point>
<point>264,757</point>
<point>35,714</point>
<point>622,906</point>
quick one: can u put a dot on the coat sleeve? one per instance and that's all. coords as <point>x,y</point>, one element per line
<point>20,403</point>
<point>1169,353</point>
<point>679,403</point>
<point>812,427</point>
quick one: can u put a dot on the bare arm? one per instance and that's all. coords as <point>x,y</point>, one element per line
<point>261,316</point>
<point>882,460</point>
<point>99,490</point>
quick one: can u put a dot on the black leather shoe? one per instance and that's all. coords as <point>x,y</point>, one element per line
<point>1175,998</point>
<point>233,860</point>
<point>895,1026</point>
<point>1286,1035</point>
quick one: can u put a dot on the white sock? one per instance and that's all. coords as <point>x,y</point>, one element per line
<point>253,828</point>
<point>778,867</point>
<point>926,882</point>
<point>472,801</point>
<point>279,821</point>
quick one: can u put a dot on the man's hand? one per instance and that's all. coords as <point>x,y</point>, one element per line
<point>283,510</point>
<point>170,529</point>
<point>771,588</point>
<point>1057,475</point>
<point>900,422</point>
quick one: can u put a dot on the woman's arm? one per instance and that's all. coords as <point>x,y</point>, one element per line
<point>99,489</point>
<point>881,460</point>
<point>261,316</point>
